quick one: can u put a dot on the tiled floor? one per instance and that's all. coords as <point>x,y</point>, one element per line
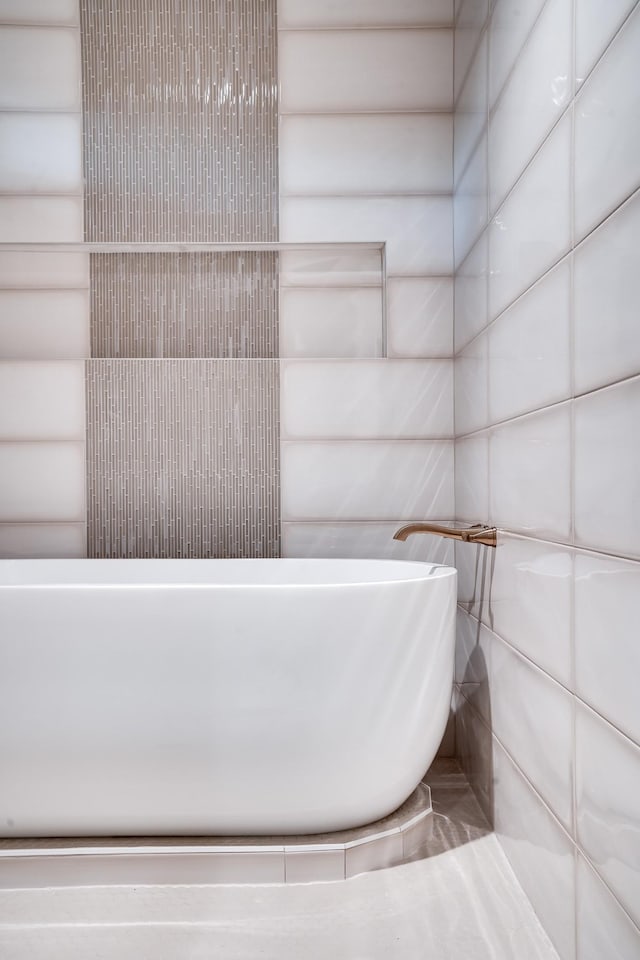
<point>459,903</point>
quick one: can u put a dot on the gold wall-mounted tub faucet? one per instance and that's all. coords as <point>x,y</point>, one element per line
<point>478,533</point>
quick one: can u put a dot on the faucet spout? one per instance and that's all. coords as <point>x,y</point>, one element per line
<point>478,533</point>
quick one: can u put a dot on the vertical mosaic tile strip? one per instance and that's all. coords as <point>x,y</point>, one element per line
<point>183,458</point>
<point>184,305</point>
<point>180,120</point>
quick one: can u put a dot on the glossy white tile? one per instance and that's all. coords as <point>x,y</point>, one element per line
<point>530,602</point>
<point>606,296</point>
<point>366,480</point>
<point>474,563</point>
<point>604,929</point>
<point>471,284</point>
<point>472,478</point>
<point>40,153</point>
<point>539,851</point>
<point>596,25</point>
<point>529,464</point>
<point>28,541</point>
<point>418,230</point>
<point>42,482</point>
<point>39,68</point>
<point>362,540</point>
<point>420,316</point>
<point>469,26</point>
<point>365,70</point>
<point>471,110</point>
<point>607,135</point>
<point>533,228</point>
<point>364,13</point>
<point>607,469</point>
<point>530,349</point>
<point>41,219</point>
<point>50,271</point>
<point>330,322</point>
<point>474,745</point>
<point>607,652</point>
<point>470,203</point>
<point>534,96</point>
<point>532,716</point>
<point>607,788</point>
<point>471,406</point>
<point>367,399</point>
<point>44,324</point>
<point>385,154</point>
<point>39,11</point>
<point>42,401</point>
<point>511,24</point>
<point>474,651</point>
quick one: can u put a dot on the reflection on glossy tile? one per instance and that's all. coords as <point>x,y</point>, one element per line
<point>529,349</point>
<point>607,787</point>
<point>49,271</point>
<point>471,110</point>
<point>532,229</point>
<point>474,563</point>
<point>474,649</point>
<point>366,480</point>
<point>42,482</point>
<point>474,745</point>
<point>340,72</point>
<point>510,26</point>
<point>596,24</point>
<point>40,219</point>
<point>471,293</point>
<point>539,851</point>
<point>472,479</point>
<point>39,11</point>
<point>472,411</point>
<point>531,602</point>
<point>44,324</point>
<point>529,463</point>
<point>367,399</point>
<point>469,26</point>
<point>604,929</point>
<point>335,268</point>
<point>42,401</point>
<point>606,296</point>
<point>607,651</point>
<point>607,136</point>
<point>365,154</point>
<point>470,203</point>
<point>40,153</point>
<point>30,541</point>
<point>369,855</point>
<point>39,69</point>
<point>420,316</point>
<point>330,322</point>
<point>318,866</point>
<point>362,540</point>
<point>418,230</point>
<point>607,469</point>
<point>359,13</point>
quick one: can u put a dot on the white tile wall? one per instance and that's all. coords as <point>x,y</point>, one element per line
<point>563,378</point>
<point>420,316</point>
<point>37,324</point>
<point>471,110</point>
<point>330,322</point>
<point>362,540</point>
<point>39,69</point>
<point>353,13</point>
<point>39,11</point>
<point>470,202</point>
<point>49,271</point>
<point>42,400</point>
<point>40,153</point>
<point>42,540</point>
<point>40,219</point>
<point>42,482</point>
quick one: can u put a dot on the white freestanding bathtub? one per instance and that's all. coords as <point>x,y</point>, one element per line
<point>193,697</point>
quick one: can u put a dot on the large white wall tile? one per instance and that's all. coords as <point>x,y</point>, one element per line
<point>529,463</point>
<point>596,24</point>
<point>603,927</point>
<point>368,13</point>
<point>365,480</point>
<point>607,132</point>
<point>50,271</point>
<point>474,563</point>
<point>472,478</point>
<point>471,110</point>
<point>418,230</point>
<point>530,602</point>
<point>40,69</point>
<point>474,649</point>
<point>539,851</point>
<point>26,541</point>
<point>533,228</point>
<point>361,540</point>
<point>41,219</point>
<point>607,469</point>
<point>535,95</point>
<point>532,716</point>
<point>510,27</point>
<point>606,297</point>
<point>606,628</point>
<point>420,316</point>
<point>40,153</point>
<point>469,26</point>
<point>470,203</point>
<point>384,154</point>
<point>530,349</point>
<point>607,790</point>
<point>366,70</point>
<point>42,482</point>
<point>367,399</point>
<point>472,411</point>
<point>471,284</point>
<point>42,401</point>
<point>39,11</point>
<point>44,324</point>
<point>330,322</point>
